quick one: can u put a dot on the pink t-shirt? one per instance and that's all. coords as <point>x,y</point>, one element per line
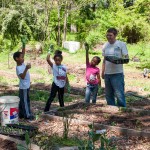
<point>91,74</point>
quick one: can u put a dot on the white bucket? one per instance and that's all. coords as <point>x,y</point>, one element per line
<point>72,46</point>
<point>9,109</point>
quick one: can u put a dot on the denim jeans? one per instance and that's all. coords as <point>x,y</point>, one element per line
<point>114,86</point>
<point>91,89</point>
<point>24,104</point>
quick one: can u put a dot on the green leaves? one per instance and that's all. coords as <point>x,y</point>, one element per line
<point>27,138</point>
<point>93,137</point>
<point>28,143</point>
<point>21,147</point>
<point>10,25</point>
<point>91,18</point>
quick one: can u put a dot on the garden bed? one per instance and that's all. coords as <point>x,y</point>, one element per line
<point>55,127</point>
<point>17,133</point>
<point>18,130</point>
<point>98,113</point>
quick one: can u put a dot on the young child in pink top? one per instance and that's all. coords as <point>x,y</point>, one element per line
<point>92,76</point>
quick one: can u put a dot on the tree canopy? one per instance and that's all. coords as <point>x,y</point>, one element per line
<point>82,20</point>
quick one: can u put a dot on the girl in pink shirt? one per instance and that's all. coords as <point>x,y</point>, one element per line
<point>92,76</point>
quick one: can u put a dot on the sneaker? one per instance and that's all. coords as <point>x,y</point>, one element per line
<point>31,118</point>
<point>46,112</point>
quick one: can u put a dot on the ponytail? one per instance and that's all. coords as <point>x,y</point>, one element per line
<point>58,53</point>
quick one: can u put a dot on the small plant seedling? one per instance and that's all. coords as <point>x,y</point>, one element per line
<point>28,143</point>
<point>91,143</point>
<point>106,116</point>
<point>24,39</point>
<point>138,123</point>
<point>86,45</point>
<point>51,48</point>
<point>113,124</point>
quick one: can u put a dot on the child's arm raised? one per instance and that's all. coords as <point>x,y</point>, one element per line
<point>49,61</point>
<point>23,41</point>
<point>87,52</point>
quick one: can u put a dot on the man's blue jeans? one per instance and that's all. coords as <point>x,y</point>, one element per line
<point>114,86</point>
<point>91,89</point>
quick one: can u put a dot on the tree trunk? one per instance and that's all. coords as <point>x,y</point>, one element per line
<point>65,22</point>
<point>47,19</point>
<point>58,11</point>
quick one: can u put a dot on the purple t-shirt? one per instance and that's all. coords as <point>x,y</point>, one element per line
<point>91,74</point>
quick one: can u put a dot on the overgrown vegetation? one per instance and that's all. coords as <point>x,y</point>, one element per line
<point>52,22</point>
<point>55,21</point>
<point>96,141</point>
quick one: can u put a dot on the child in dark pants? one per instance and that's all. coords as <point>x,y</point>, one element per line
<point>60,80</point>
<point>24,84</point>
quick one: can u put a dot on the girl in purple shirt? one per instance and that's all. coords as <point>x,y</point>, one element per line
<point>92,76</point>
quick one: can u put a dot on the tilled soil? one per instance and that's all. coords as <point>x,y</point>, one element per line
<point>7,145</point>
<point>81,132</point>
<point>94,113</point>
<point>140,103</point>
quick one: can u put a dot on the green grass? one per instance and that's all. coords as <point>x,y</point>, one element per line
<point>132,99</point>
<point>54,141</point>
<point>42,95</point>
<point>68,142</point>
<point>141,51</point>
<point>8,81</point>
<point>72,78</point>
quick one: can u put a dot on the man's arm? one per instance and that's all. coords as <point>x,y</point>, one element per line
<point>49,61</point>
<point>87,52</point>
<point>103,68</point>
